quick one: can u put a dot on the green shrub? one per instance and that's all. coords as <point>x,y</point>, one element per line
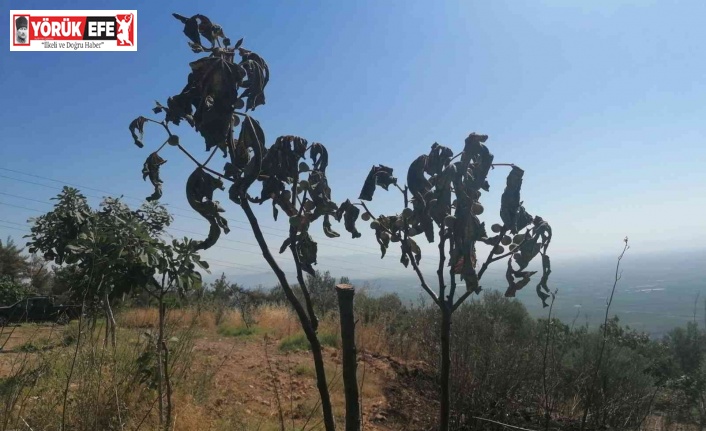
<point>299,342</point>
<point>294,342</point>
<point>304,370</point>
<point>34,345</point>
<point>238,331</point>
<point>29,347</point>
<point>330,340</point>
<point>11,291</point>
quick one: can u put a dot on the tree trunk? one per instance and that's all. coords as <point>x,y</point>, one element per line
<point>107,327</point>
<point>321,383</point>
<point>346,292</point>
<point>168,383</point>
<point>160,363</point>
<point>302,284</point>
<point>445,404</point>
<point>110,321</point>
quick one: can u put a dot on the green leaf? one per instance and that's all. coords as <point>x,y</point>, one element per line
<point>76,249</point>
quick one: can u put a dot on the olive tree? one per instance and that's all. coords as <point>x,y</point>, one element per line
<point>224,85</point>
<point>442,195</point>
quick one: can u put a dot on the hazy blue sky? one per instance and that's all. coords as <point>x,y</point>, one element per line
<point>601,102</point>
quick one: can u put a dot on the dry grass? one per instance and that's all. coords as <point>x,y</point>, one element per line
<point>137,318</point>
<point>277,321</point>
<point>222,382</point>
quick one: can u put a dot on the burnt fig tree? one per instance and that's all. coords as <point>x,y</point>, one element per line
<point>442,204</point>
<point>225,84</point>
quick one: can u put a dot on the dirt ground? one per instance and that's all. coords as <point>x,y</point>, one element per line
<point>246,380</point>
<point>252,376</point>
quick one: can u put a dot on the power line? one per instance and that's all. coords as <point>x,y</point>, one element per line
<point>215,246</point>
<point>214,260</point>
<point>95,197</point>
<point>10,227</point>
<point>218,246</point>
<point>181,215</point>
<point>177,214</point>
<point>228,264</point>
<point>255,245</point>
<point>191,232</point>
<point>142,200</point>
<point>25,198</point>
<point>30,182</point>
<point>12,222</point>
<point>21,207</point>
<point>189,217</point>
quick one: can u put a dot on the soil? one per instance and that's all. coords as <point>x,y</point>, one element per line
<point>251,376</point>
<point>391,398</point>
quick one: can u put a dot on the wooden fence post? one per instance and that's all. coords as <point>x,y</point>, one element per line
<point>346,292</point>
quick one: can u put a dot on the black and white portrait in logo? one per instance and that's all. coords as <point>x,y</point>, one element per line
<point>22,30</point>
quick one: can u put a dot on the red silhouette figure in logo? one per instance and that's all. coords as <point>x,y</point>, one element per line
<point>124,30</point>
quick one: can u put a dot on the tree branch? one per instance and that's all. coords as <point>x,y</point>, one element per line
<point>489,259</point>
<point>301,314</point>
<point>424,284</point>
<point>302,282</point>
<point>452,277</point>
<point>599,360</point>
<point>484,267</point>
<point>442,261</point>
<point>205,168</point>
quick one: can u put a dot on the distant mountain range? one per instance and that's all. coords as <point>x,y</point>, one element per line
<point>656,293</point>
